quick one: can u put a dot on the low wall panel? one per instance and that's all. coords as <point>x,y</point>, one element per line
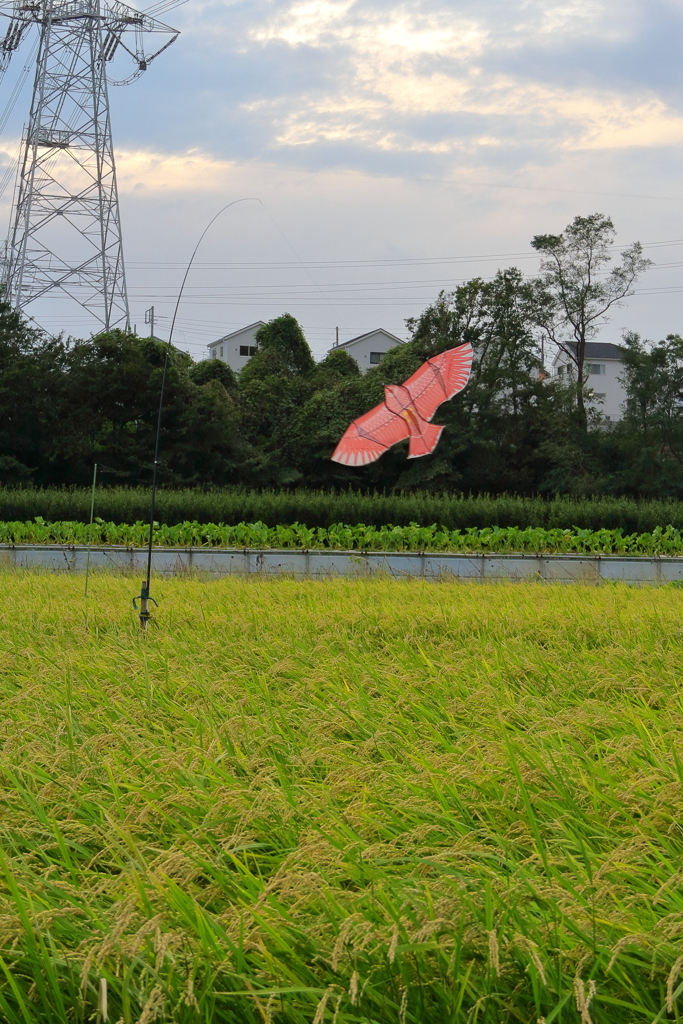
<point>590,569</point>
<point>571,569</point>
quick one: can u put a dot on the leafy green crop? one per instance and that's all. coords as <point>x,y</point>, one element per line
<point>341,537</point>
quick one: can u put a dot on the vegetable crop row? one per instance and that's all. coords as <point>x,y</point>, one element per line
<point>324,508</point>
<point>668,541</point>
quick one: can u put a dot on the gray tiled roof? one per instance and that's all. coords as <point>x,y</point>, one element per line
<point>601,350</point>
<point>360,337</point>
<point>240,330</point>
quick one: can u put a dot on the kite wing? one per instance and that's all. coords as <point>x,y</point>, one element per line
<point>369,436</point>
<point>439,379</point>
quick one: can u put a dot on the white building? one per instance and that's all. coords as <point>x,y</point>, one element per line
<point>602,366</point>
<point>236,348</point>
<point>368,349</point>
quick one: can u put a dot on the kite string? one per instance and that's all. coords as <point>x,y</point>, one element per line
<point>248,199</point>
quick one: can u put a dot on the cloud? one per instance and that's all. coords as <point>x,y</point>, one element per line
<point>352,83</point>
<point>176,172</point>
<point>406,28</point>
<point>398,65</point>
<point>143,169</point>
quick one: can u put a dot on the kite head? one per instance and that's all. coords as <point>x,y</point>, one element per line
<point>397,398</point>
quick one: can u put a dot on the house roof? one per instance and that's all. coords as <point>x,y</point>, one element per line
<point>241,330</point>
<point>597,350</point>
<point>368,334</point>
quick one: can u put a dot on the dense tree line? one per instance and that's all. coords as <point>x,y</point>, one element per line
<point>66,404</point>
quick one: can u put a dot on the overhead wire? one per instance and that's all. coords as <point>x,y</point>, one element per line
<point>18,86</point>
<point>301,262</point>
<point>407,261</point>
<point>10,171</point>
<point>162,7</point>
<point>12,166</point>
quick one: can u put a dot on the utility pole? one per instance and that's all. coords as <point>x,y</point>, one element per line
<point>65,235</point>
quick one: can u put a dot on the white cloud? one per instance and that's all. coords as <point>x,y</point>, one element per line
<point>313,23</point>
<point>155,172</point>
<point>404,29</point>
<point>407,62</point>
<point>193,171</point>
<point>575,19</point>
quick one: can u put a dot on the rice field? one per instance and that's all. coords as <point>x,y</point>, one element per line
<point>321,508</point>
<point>301,803</point>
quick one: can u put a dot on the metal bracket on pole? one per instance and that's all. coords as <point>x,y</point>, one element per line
<point>144,599</point>
<point>149,319</point>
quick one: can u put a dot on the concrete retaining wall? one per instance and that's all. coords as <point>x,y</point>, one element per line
<point>322,564</point>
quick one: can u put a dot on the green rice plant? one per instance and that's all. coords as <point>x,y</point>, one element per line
<point>358,801</point>
<point>235,505</point>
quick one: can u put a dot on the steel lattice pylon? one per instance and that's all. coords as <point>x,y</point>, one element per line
<point>66,230</point>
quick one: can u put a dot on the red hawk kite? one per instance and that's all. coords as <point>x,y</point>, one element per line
<point>406,411</point>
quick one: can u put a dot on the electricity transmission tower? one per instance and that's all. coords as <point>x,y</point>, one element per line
<point>65,232</point>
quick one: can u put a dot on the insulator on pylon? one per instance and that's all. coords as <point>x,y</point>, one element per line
<point>110,46</point>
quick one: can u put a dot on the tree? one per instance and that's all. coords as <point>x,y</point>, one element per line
<point>494,428</point>
<point>338,363</point>
<point>110,405</point>
<point>273,387</point>
<point>31,371</point>
<point>651,432</point>
<point>213,369</point>
<point>318,425</point>
<point>575,291</point>
<point>281,347</point>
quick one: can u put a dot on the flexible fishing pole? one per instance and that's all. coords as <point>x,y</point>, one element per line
<point>143,596</point>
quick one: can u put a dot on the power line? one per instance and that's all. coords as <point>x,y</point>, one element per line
<point>163,7</point>
<point>296,289</point>
<point>338,264</point>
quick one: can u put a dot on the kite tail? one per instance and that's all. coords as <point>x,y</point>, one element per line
<point>425,442</point>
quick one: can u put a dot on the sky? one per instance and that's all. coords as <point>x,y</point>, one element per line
<point>388,150</point>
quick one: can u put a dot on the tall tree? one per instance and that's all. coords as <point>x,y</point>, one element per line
<point>111,387</point>
<point>651,432</point>
<point>576,290</point>
<point>31,369</point>
<point>214,369</point>
<point>274,386</point>
<point>281,344</point>
<point>494,428</point>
